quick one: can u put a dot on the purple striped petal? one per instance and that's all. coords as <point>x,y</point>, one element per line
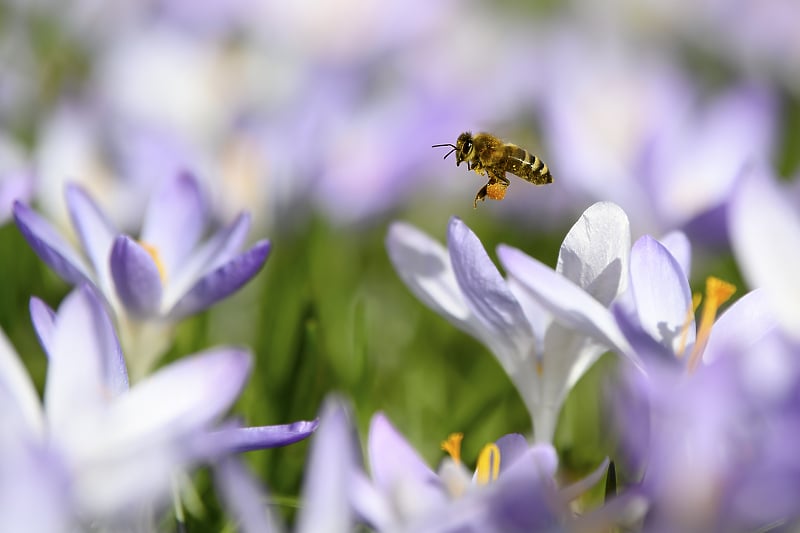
<point>95,231</point>
<point>51,247</point>
<point>43,319</point>
<point>175,220</point>
<point>136,278</point>
<point>245,439</point>
<point>222,282</point>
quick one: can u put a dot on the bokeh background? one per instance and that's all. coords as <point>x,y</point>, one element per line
<point>318,117</point>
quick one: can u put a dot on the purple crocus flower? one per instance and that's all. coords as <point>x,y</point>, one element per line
<point>513,487</point>
<point>157,280</point>
<point>119,447</point>
<point>545,327</point>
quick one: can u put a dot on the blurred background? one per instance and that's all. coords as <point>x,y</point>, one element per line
<point>318,117</point>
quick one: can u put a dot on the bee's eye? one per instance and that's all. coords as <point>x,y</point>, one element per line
<point>467,147</point>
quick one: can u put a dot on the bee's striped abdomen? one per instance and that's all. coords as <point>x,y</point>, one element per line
<point>526,165</point>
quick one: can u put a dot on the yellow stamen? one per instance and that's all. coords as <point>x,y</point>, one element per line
<point>696,298</point>
<point>539,367</point>
<point>453,446</point>
<point>153,251</point>
<point>717,293</point>
<point>488,464</point>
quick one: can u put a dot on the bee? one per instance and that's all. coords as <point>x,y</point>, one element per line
<point>484,152</point>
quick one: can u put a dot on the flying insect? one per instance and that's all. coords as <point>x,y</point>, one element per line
<point>483,152</point>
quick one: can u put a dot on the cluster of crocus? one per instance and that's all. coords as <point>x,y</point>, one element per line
<point>706,410</point>
<point>102,451</point>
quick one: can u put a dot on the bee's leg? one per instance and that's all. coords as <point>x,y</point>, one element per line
<point>480,196</point>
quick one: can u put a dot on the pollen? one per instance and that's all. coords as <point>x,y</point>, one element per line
<point>153,251</point>
<point>453,446</point>
<point>496,191</point>
<point>717,293</point>
<point>488,467</point>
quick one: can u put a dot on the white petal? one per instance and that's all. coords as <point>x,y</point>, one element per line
<point>765,233</point>
<point>595,252</point>
<point>18,390</point>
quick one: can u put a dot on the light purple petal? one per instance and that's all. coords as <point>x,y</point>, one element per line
<point>765,234</point>
<point>595,252</point>
<point>243,497</point>
<point>181,398</point>
<point>94,230</point>
<point>86,369</point>
<point>567,302</point>
<point>175,220</point>
<point>51,247</point>
<point>136,278</point>
<point>245,439</point>
<point>424,265</point>
<point>223,281</point>
<point>487,294</point>
<point>21,400</point>
<point>331,464</point>
<point>662,295</point>
<point>740,328</point>
<point>681,249</point>
<point>43,319</point>
<point>219,249</point>
<point>392,458</point>
<point>512,447</point>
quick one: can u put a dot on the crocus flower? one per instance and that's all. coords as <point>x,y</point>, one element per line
<point>545,327</point>
<point>512,489</point>
<point>707,418</point>
<point>155,281</point>
<point>120,447</point>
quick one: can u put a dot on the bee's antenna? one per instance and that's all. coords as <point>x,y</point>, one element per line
<point>448,153</point>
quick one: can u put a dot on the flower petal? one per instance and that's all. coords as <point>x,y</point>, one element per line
<point>392,459</point>
<point>243,497</point>
<point>94,230</point>
<point>222,281</point>
<point>765,234</point>
<point>44,324</point>
<point>489,297</point>
<point>681,249</point>
<point>740,328</point>
<point>567,302</point>
<point>661,295</point>
<point>595,252</point>
<point>51,247</point>
<point>19,394</point>
<point>331,464</point>
<point>424,266</point>
<point>179,398</point>
<point>86,368</point>
<point>219,249</point>
<point>136,278</point>
<point>175,220</point>
<point>245,439</point>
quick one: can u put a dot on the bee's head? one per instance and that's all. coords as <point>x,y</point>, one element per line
<point>464,148</point>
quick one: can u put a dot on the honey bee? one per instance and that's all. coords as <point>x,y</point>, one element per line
<point>484,152</point>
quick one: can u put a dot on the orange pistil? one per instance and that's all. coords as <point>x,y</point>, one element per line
<point>453,446</point>
<point>717,293</point>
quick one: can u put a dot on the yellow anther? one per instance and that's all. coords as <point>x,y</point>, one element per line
<point>488,464</point>
<point>453,446</point>
<point>696,298</point>
<point>539,367</point>
<point>717,293</point>
<point>153,251</point>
